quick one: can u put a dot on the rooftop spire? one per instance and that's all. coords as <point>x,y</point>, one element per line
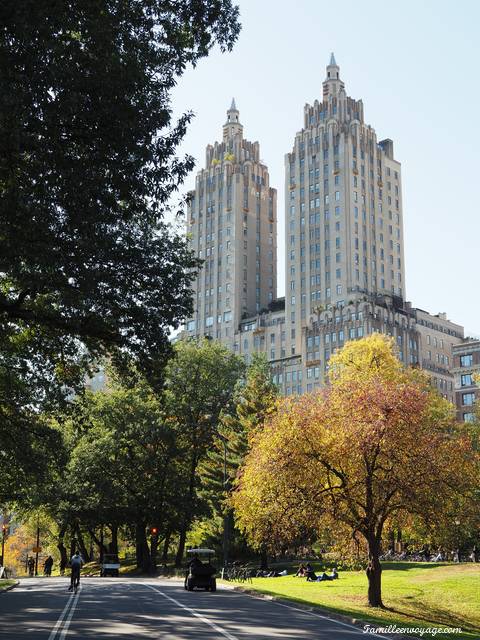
<point>232,126</point>
<point>332,84</point>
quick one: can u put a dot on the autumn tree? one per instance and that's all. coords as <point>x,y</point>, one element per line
<point>377,443</point>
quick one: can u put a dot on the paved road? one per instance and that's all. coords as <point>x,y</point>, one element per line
<point>123,609</point>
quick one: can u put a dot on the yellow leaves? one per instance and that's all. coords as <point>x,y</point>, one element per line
<point>378,441</point>
<point>376,355</point>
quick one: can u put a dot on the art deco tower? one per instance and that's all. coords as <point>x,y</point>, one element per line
<point>231,222</point>
<point>344,226</point>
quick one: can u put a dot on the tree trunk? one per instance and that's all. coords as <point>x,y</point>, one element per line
<point>374,574</point>
<point>188,512</point>
<point>143,552</point>
<point>263,560</point>
<point>81,544</point>
<point>166,544</point>
<point>61,547</point>
<point>114,543</point>
<point>73,541</point>
<point>101,547</point>
<point>181,545</point>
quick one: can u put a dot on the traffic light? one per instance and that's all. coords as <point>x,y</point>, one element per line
<point>154,531</point>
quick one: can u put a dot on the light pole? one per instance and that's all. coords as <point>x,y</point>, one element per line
<point>225,488</point>
<point>38,545</point>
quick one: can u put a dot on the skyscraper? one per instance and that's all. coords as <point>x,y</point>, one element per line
<point>344,222</point>
<point>231,224</point>
<point>344,250</point>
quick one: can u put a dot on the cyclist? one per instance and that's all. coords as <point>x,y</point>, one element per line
<point>76,563</point>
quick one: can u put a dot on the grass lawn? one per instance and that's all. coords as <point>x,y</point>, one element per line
<point>6,583</point>
<point>415,594</point>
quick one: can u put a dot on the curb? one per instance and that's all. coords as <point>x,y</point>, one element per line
<point>356,622</point>
<point>10,587</point>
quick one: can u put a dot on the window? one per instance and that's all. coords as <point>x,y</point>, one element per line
<point>468,399</point>
<point>191,325</point>
<point>337,195</point>
<point>466,379</point>
<point>209,321</point>
<point>466,361</point>
<point>469,417</point>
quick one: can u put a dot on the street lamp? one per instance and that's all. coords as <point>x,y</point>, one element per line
<point>224,441</point>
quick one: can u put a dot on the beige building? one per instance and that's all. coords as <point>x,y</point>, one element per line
<point>466,365</point>
<point>343,213</point>
<point>232,218</point>
<point>344,262</point>
<point>437,338</point>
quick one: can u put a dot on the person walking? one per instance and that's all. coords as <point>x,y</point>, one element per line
<point>47,566</point>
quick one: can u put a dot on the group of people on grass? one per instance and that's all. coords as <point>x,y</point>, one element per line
<point>304,571</point>
<point>307,571</point>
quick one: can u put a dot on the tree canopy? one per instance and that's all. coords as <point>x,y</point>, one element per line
<point>89,265</point>
<point>377,444</point>
<point>88,167</point>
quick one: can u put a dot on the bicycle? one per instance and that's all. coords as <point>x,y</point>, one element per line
<point>75,579</point>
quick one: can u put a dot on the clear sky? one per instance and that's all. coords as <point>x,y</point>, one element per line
<point>415,65</point>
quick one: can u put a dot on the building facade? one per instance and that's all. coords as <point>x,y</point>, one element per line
<point>466,367</point>
<point>232,226</point>
<point>343,214</point>
<point>344,249</point>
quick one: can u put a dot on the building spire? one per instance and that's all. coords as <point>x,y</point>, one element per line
<point>332,84</point>
<point>232,126</point>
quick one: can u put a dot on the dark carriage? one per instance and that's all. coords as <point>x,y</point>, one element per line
<point>201,574</point>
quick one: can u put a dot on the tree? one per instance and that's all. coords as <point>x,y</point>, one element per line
<point>378,443</point>
<point>254,402</point>
<point>88,168</point>
<point>200,381</point>
<point>87,171</point>
<point>124,467</point>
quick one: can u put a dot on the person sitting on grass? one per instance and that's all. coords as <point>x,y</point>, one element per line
<point>310,573</point>
<point>301,572</point>
<point>325,576</point>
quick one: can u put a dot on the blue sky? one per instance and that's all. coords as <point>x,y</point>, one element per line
<point>415,66</point>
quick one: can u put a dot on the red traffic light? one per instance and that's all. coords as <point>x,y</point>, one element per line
<point>154,531</point>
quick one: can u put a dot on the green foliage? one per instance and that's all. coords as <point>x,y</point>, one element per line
<point>254,403</point>
<point>124,468</point>
<point>88,169</point>
<point>200,382</point>
<point>88,166</point>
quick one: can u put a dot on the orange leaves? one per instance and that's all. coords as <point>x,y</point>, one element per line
<point>377,443</point>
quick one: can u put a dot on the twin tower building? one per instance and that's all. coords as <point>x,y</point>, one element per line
<point>344,248</point>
